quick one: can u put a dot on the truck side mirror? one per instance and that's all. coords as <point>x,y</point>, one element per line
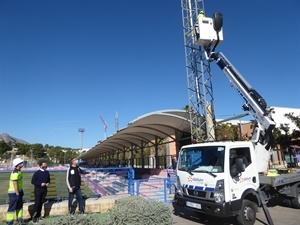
<point>174,164</point>
<point>240,166</point>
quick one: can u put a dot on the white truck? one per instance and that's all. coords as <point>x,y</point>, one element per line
<point>230,178</point>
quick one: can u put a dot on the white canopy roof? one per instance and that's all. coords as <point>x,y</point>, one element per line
<point>145,129</point>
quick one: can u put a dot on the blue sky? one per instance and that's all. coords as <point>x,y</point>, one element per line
<point>65,63</point>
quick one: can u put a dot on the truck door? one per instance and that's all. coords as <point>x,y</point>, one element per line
<point>241,177</point>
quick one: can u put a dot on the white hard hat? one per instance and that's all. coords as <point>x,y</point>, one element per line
<point>17,161</point>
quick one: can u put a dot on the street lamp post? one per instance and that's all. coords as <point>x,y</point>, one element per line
<point>64,151</point>
<point>11,159</point>
<point>81,131</point>
<point>12,155</point>
<point>31,151</point>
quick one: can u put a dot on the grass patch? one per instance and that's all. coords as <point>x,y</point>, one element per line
<point>88,219</point>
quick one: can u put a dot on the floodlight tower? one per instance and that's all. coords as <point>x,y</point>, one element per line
<point>117,122</point>
<point>81,131</point>
<point>199,78</point>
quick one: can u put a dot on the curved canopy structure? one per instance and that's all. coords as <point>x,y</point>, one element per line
<point>145,129</point>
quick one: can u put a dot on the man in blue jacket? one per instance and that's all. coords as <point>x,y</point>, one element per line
<point>40,180</point>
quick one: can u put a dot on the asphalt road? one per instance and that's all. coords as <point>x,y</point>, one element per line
<point>280,212</point>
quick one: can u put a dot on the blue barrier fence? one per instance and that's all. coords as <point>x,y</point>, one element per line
<point>110,181</point>
<point>98,182</point>
<point>160,189</point>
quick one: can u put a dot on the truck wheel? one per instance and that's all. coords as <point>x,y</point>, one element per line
<point>296,200</point>
<point>247,215</point>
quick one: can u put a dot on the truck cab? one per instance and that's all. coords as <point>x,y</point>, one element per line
<point>215,177</point>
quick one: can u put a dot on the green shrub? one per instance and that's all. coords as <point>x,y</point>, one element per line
<point>89,219</point>
<point>137,210</point>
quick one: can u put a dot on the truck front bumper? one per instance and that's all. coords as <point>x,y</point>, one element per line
<point>207,207</point>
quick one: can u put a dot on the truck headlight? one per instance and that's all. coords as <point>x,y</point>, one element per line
<point>219,191</point>
<point>179,187</point>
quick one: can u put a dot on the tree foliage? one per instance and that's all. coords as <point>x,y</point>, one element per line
<point>37,151</point>
<point>283,136</point>
<point>4,147</point>
<point>294,119</point>
<point>225,132</point>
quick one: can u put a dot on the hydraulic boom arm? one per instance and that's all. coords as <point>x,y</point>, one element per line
<point>210,34</point>
<point>254,103</point>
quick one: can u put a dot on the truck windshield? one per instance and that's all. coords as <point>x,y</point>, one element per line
<point>202,159</point>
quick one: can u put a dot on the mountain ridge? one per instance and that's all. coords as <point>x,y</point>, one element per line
<point>10,139</point>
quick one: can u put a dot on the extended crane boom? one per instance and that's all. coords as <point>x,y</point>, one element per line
<point>210,34</point>
<point>254,103</point>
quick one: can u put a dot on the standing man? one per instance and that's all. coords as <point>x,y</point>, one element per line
<point>73,180</point>
<point>199,17</point>
<point>40,180</point>
<point>15,193</point>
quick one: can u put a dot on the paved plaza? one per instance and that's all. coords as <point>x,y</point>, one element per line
<point>281,215</point>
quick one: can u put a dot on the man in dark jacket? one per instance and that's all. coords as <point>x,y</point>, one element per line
<point>73,181</point>
<point>40,180</point>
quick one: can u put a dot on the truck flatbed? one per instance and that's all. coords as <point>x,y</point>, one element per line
<point>281,179</point>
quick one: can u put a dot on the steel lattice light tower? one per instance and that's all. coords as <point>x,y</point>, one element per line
<point>81,130</point>
<point>199,77</point>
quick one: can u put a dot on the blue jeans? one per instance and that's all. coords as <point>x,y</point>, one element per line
<point>77,192</point>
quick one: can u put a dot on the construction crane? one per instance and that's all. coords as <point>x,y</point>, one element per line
<point>199,77</point>
<point>105,127</point>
